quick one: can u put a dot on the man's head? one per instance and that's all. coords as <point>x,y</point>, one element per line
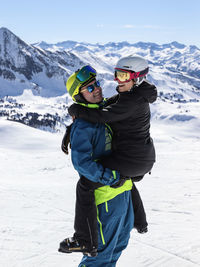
<point>83,87</point>
<point>92,92</point>
<point>130,71</point>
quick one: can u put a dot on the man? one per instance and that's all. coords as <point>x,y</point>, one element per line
<point>128,114</point>
<point>90,142</point>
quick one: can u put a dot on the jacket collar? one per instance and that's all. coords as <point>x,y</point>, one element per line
<point>89,105</point>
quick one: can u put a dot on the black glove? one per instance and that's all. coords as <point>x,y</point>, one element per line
<point>119,183</point>
<point>137,178</point>
<point>66,140</point>
<point>73,110</point>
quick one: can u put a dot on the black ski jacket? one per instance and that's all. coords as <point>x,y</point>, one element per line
<point>128,114</point>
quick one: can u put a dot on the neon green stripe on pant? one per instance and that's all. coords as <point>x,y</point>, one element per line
<point>101,228</point>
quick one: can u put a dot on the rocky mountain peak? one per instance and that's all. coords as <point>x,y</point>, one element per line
<point>26,66</point>
<point>10,43</point>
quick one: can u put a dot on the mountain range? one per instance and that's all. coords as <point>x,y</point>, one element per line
<point>40,70</point>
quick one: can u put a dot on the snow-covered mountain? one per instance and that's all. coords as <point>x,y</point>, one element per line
<point>41,70</point>
<point>44,67</point>
<point>25,66</point>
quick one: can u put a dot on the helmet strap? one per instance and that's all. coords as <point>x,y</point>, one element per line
<point>80,99</point>
<point>139,80</point>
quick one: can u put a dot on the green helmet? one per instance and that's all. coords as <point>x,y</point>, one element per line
<point>79,79</point>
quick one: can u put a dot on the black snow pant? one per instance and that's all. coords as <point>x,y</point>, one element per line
<point>85,224</point>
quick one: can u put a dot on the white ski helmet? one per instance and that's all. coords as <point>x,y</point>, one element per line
<point>135,64</point>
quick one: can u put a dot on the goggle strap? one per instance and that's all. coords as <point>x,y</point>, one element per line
<point>144,72</point>
<point>74,86</point>
<point>88,81</point>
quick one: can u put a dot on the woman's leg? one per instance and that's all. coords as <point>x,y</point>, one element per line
<point>140,222</point>
<point>126,166</point>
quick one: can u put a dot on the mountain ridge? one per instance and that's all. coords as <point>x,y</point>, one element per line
<point>43,69</point>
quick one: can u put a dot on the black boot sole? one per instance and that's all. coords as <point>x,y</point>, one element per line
<point>89,254</point>
<point>63,250</point>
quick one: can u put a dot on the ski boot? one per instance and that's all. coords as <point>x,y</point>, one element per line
<point>71,244</point>
<point>141,229</point>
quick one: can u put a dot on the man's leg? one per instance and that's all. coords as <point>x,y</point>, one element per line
<point>114,217</point>
<point>85,238</point>
<point>85,224</point>
<point>124,234</point>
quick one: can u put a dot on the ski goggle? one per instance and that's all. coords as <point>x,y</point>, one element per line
<point>125,76</point>
<point>91,87</point>
<point>85,74</point>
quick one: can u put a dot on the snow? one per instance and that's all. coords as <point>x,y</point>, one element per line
<point>37,192</point>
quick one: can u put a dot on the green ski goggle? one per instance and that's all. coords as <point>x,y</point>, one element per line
<point>85,74</point>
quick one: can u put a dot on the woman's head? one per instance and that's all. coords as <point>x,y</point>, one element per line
<point>130,71</point>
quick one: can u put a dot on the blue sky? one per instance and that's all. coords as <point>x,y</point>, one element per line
<point>103,21</point>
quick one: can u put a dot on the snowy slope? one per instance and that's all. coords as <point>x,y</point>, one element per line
<point>37,192</point>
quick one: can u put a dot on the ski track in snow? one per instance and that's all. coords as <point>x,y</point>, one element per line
<point>162,261</point>
<point>37,192</point>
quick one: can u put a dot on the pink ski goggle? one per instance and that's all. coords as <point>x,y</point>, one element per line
<point>125,76</point>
